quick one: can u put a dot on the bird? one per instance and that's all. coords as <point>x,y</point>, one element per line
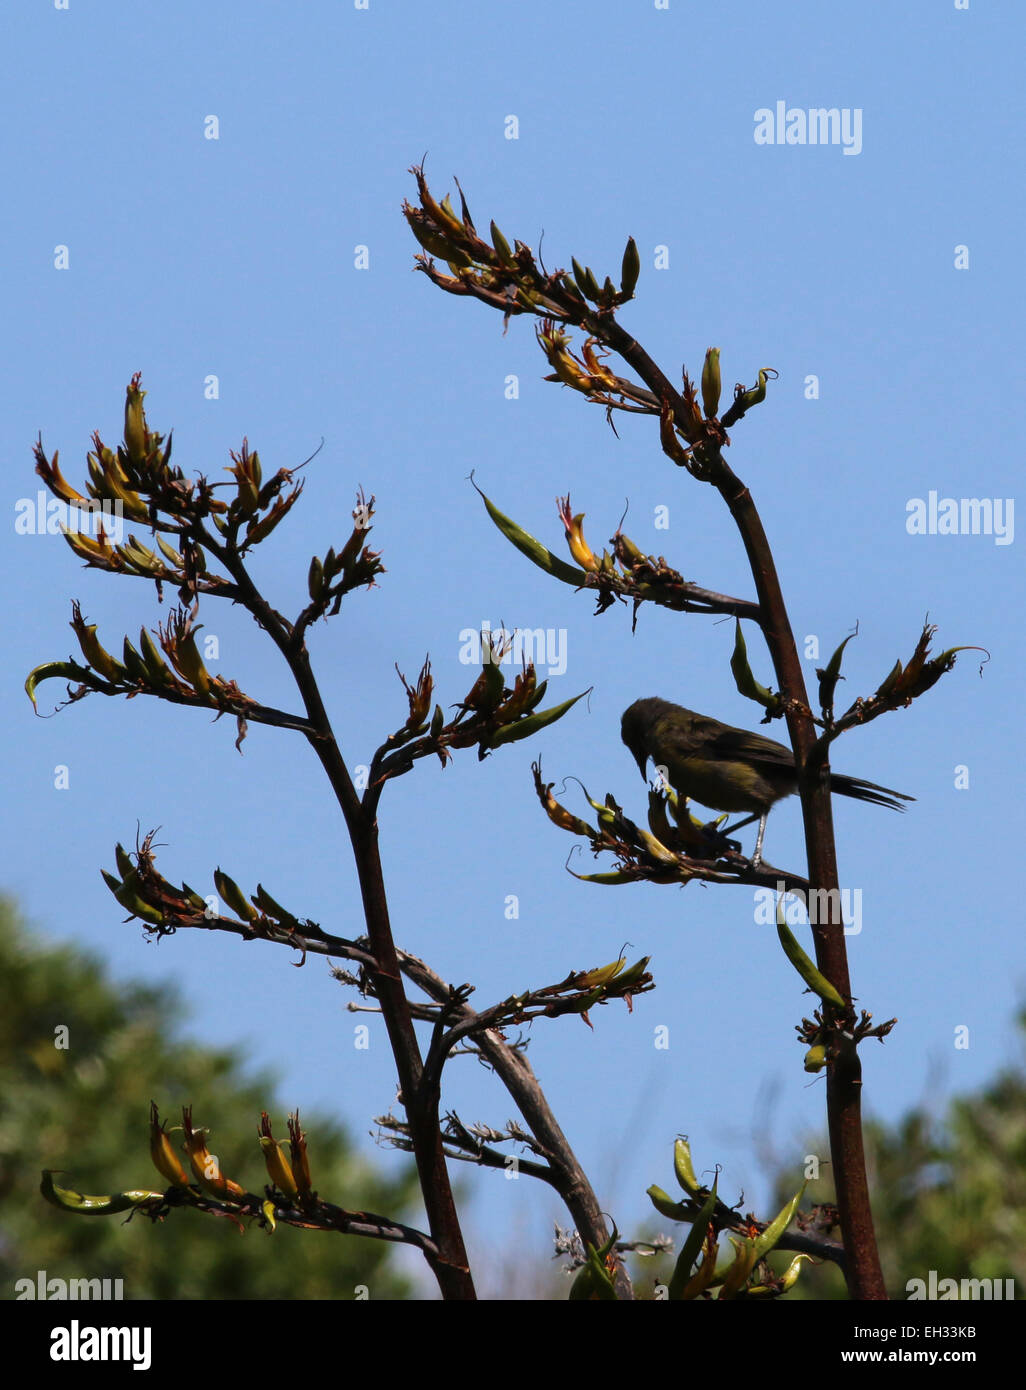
<point>725,768</point>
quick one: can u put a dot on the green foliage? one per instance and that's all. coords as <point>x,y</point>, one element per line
<point>84,1109</point>
<point>949,1192</point>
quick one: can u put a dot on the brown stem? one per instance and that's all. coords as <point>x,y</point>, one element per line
<point>516,1074</point>
<point>448,1260</point>
<point>844,1079</point>
<point>576,1191</point>
<point>451,1267</point>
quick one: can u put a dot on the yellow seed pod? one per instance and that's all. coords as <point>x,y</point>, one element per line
<point>187,659</point>
<point>162,1152</point>
<point>98,657</point>
<point>204,1164</point>
<point>601,975</point>
<point>711,383</point>
<point>579,547</point>
<point>816,1058</point>
<point>136,433</point>
<point>279,1169</point>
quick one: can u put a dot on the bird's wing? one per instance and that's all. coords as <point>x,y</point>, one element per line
<point>742,743</point>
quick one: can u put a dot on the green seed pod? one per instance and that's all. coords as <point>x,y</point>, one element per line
<point>586,281</point>
<point>270,907</point>
<point>70,670</point>
<point>744,400</point>
<point>170,553</point>
<point>830,675</point>
<point>537,553</point>
<point>630,269</point>
<point>666,1206</point>
<point>537,695</point>
<point>193,898</point>
<point>813,977</point>
<point>531,723</point>
<point>656,849</point>
<point>134,664</point>
<point>601,975</point>
<point>157,670</point>
<point>744,679</point>
<point>711,383</point>
<point>816,1058</point>
<point>629,554</point>
<point>502,249</point>
<point>437,245</point>
<point>765,1242</point>
<point>68,1200</point>
<point>633,974</point>
<point>891,680</point>
<point>790,1275</point>
<point>130,900</point>
<point>616,876</point>
<point>684,1168</point>
<point>232,895</point>
<point>139,557</point>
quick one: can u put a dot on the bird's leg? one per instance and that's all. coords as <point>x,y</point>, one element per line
<point>740,825</point>
<point>757,856</point>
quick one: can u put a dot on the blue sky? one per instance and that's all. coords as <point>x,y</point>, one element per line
<point>237,257</point>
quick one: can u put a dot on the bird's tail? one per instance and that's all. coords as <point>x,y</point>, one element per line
<point>868,791</point>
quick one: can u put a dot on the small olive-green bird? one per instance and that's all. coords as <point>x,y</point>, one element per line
<point>726,768</point>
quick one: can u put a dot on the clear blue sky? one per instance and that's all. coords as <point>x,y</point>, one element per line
<point>236,257</point>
